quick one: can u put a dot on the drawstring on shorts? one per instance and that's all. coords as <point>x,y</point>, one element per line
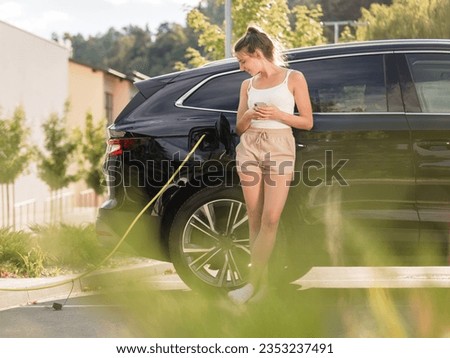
<point>262,135</point>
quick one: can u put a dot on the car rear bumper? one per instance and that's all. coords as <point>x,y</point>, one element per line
<point>143,239</point>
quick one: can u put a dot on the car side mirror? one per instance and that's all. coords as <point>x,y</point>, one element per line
<point>223,133</point>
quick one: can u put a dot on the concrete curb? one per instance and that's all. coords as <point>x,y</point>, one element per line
<point>114,277</point>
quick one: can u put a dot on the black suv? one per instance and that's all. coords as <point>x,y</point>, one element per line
<point>372,178</point>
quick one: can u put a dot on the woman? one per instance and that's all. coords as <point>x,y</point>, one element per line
<point>265,155</point>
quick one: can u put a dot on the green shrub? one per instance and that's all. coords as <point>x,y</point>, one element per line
<point>47,249</point>
<point>12,244</point>
<point>20,254</point>
<point>70,246</point>
<point>34,262</point>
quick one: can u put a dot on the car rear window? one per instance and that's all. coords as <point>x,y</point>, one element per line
<point>431,76</point>
<point>218,93</point>
<point>346,84</point>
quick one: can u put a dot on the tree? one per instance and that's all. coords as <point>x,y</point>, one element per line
<point>339,10</point>
<point>134,48</point>
<point>124,50</point>
<point>272,15</point>
<point>169,45</point>
<point>54,164</point>
<point>211,37</point>
<point>214,10</point>
<point>130,50</point>
<point>347,9</point>
<point>15,156</point>
<point>406,19</point>
<point>93,145</point>
<point>308,25</point>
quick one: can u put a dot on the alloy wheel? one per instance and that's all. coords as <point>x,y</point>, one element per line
<point>215,243</point>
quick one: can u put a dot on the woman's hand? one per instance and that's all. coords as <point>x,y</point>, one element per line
<point>267,112</point>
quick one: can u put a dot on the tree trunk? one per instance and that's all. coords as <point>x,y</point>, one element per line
<point>8,207</point>
<point>3,206</point>
<point>60,199</point>
<point>52,206</point>
<point>13,205</point>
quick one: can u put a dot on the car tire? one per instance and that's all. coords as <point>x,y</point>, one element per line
<point>208,240</point>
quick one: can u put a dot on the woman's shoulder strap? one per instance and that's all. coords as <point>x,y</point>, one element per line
<point>250,83</point>
<point>288,72</point>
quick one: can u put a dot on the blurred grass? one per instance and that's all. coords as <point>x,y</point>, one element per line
<point>71,246</point>
<point>314,313</point>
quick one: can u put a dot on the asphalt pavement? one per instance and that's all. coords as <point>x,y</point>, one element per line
<point>15,292</point>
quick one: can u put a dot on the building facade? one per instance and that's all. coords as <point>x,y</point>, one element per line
<point>34,75</point>
<point>102,92</point>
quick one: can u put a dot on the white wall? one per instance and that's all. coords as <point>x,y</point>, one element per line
<point>34,74</point>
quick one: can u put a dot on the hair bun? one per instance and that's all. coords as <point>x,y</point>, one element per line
<point>253,30</point>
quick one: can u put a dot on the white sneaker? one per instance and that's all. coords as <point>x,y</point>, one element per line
<point>241,295</point>
<point>260,294</point>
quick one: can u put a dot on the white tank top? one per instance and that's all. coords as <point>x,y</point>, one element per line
<point>279,96</point>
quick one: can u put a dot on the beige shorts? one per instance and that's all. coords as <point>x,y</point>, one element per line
<point>266,151</point>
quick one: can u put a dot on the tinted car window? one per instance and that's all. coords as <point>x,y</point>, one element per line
<point>431,76</point>
<point>346,84</point>
<point>220,93</point>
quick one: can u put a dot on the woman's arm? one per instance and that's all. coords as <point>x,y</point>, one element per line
<point>299,87</point>
<point>244,114</point>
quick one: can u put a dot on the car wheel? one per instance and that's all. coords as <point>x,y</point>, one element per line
<point>208,240</point>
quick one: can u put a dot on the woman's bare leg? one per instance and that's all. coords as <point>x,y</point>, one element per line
<point>252,188</point>
<point>276,189</point>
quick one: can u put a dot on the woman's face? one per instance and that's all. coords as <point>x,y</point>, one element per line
<point>249,63</point>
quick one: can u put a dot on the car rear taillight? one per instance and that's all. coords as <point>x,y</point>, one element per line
<point>116,147</point>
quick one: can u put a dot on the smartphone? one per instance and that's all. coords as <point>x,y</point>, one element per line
<point>260,104</point>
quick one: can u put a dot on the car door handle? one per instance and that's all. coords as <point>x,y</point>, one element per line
<point>435,146</point>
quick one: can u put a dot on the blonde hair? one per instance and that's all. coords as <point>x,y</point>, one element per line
<point>256,39</point>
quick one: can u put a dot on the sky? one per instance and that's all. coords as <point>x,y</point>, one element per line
<point>91,17</point>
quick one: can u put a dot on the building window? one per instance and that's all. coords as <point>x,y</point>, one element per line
<point>109,107</point>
